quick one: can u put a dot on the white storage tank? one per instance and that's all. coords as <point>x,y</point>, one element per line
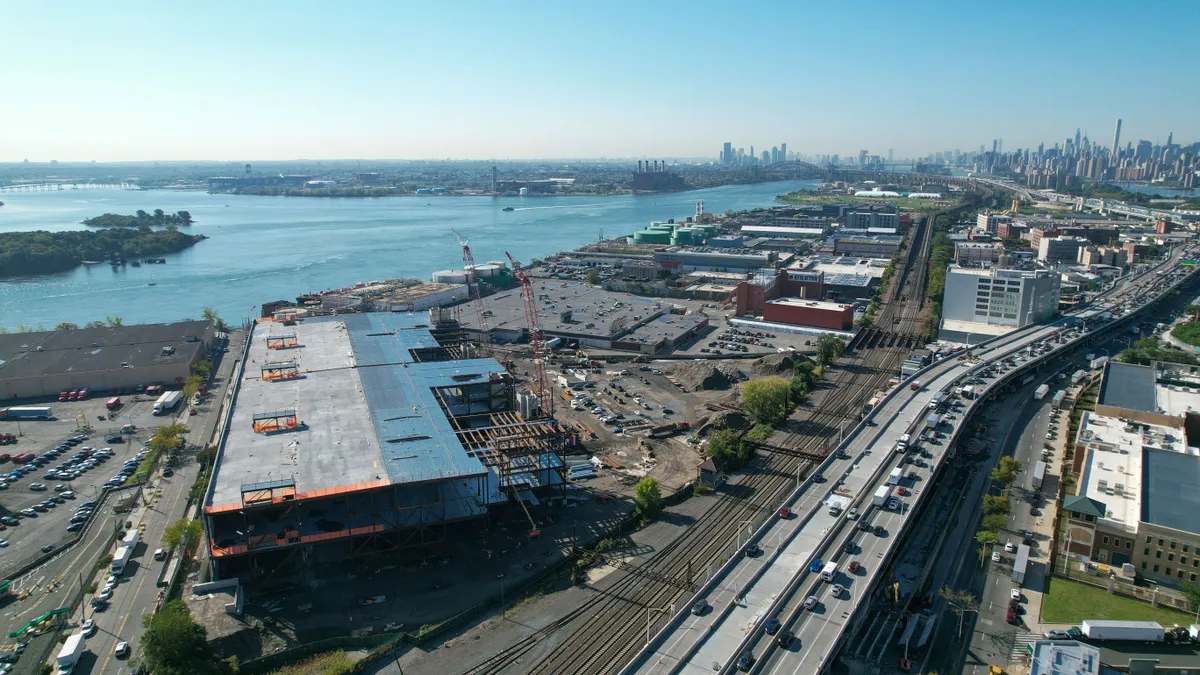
<point>487,271</point>
<point>450,277</point>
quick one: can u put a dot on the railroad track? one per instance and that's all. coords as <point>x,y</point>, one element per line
<point>609,627</point>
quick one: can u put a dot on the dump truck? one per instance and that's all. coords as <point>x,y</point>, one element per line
<point>664,430</point>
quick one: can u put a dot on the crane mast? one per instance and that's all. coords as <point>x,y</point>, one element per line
<point>474,292</point>
<point>542,386</point>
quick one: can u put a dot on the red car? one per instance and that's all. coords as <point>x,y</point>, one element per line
<point>784,513</point>
<point>901,491</point>
<point>852,568</point>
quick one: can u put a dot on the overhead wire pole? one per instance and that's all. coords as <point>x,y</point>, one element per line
<point>474,292</point>
<point>545,396</point>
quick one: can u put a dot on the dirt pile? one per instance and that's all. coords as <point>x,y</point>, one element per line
<point>782,364</point>
<point>705,375</point>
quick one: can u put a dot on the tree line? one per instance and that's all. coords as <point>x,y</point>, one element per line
<point>40,252</point>
<point>141,219</point>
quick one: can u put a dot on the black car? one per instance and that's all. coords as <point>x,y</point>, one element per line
<point>751,550</point>
<point>784,639</point>
<point>745,661</point>
<point>47,548</point>
<point>115,439</point>
<point>878,530</point>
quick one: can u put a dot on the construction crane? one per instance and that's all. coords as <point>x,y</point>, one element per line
<point>542,386</point>
<point>473,290</point>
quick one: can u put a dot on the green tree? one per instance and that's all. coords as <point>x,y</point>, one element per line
<point>725,446</point>
<point>1192,591</point>
<point>1194,310</point>
<point>799,390</point>
<point>593,277</point>
<point>184,533</point>
<point>829,349</point>
<point>1006,471</point>
<point>961,602</point>
<point>995,522</point>
<point>202,368</point>
<point>114,321</point>
<point>995,504</point>
<point>210,314</point>
<point>65,326</point>
<point>647,495</point>
<point>191,386</point>
<point>986,537</point>
<point>767,399</point>
<point>174,644</point>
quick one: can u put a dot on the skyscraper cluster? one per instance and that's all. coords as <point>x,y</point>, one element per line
<point>1079,159</point>
<point>741,158</point>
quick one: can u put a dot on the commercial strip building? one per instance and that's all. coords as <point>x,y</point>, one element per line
<point>877,246</point>
<point>804,312</point>
<point>1139,477</point>
<point>42,364</point>
<point>367,433</point>
<point>986,299</point>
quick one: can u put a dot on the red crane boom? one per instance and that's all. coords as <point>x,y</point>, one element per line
<point>542,388</point>
<point>473,290</point>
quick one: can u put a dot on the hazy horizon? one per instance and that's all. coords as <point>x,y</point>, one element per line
<point>223,81</point>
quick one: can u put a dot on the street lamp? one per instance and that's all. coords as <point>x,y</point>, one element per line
<point>650,612</point>
<point>737,538</point>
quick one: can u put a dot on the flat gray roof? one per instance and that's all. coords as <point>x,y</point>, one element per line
<point>587,304</point>
<point>1128,386</point>
<point>1171,489</point>
<point>96,349</point>
<point>366,410</point>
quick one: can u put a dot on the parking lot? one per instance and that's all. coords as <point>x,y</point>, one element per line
<point>62,479</point>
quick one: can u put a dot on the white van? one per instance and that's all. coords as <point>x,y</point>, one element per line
<point>829,572</point>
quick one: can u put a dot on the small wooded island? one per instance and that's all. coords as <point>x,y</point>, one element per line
<point>140,219</point>
<point>41,252</point>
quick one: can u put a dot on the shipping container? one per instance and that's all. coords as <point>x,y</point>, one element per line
<point>113,403</point>
<point>1137,631</point>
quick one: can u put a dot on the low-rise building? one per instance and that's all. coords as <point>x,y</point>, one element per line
<point>815,313</point>
<point>691,259</point>
<point>868,219</point>
<point>1139,478</point>
<point>1007,298</point>
<point>879,246</point>
<point>975,254</point>
<point>991,222</point>
<point>1060,249</point>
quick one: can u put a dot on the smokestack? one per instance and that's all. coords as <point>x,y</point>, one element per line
<point>639,166</point>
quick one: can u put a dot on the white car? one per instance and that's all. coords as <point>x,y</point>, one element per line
<point>995,556</point>
<point>1015,594</point>
<point>121,650</point>
<point>88,628</point>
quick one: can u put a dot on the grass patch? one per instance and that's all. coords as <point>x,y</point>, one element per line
<point>1072,602</point>
<point>811,197</point>
<point>1188,332</point>
<point>333,663</point>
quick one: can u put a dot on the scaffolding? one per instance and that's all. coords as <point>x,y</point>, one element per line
<point>287,370</point>
<point>280,420</point>
<point>282,341</point>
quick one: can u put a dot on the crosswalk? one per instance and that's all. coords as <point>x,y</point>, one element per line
<point>1020,650</point>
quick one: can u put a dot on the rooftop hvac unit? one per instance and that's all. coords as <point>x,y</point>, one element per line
<point>1102,484</point>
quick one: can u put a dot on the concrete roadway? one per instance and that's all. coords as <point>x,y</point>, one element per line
<point>138,591</point>
<point>50,585</point>
<point>790,546</point>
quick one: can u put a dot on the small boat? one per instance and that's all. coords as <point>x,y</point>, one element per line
<point>508,208</point>
<point>152,283</point>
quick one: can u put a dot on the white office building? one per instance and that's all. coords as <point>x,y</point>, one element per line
<point>979,304</point>
<point>990,222</point>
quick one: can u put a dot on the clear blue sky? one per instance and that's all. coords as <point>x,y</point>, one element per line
<point>284,80</point>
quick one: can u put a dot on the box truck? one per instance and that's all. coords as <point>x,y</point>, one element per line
<point>1059,397</point>
<point>1020,564</point>
<point>895,476</point>
<point>120,559</point>
<point>1139,631</point>
<point>881,495</point>
<point>69,655</point>
<point>932,421</point>
<point>1039,474</point>
<point>1041,391</point>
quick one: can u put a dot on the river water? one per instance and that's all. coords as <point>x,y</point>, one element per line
<point>272,248</point>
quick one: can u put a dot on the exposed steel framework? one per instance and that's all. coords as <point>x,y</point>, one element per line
<point>535,339</point>
<point>473,289</point>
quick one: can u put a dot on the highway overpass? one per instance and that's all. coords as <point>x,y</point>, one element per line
<point>748,590</point>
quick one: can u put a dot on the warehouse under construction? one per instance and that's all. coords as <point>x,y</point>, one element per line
<point>369,434</point>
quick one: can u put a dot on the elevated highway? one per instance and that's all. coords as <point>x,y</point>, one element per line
<point>750,589</point>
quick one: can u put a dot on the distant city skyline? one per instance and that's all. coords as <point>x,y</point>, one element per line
<point>474,80</point>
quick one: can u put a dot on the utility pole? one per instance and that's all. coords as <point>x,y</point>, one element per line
<point>83,605</point>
